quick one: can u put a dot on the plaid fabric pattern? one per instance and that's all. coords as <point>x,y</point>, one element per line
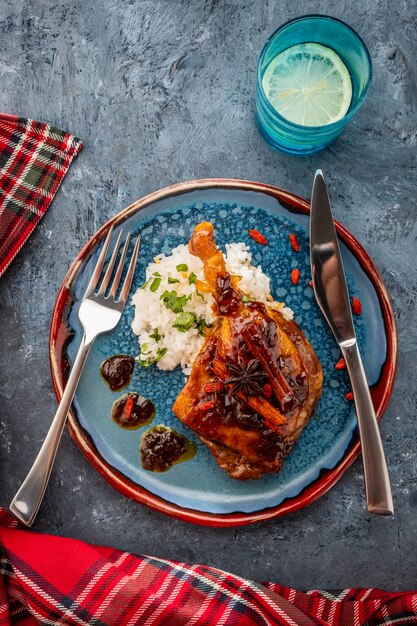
<point>52,580</point>
<point>34,158</point>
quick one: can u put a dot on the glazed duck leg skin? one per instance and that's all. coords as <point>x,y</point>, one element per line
<point>268,377</point>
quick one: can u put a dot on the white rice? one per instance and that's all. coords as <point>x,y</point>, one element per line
<point>169,346</point>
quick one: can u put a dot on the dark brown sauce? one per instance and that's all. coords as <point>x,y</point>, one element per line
<point>231,410</point>
<point>228,301</point>
<point>117,371</point>
<point>270,442</point>
<point>237,412</point>
<point>132,411</point>
<point>161,448</point>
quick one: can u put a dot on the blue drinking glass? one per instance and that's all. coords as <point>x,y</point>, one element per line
<point>291,138</point>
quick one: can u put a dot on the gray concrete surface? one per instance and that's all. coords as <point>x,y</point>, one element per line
<point>163,91</point>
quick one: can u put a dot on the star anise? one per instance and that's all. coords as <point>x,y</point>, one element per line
<point>246,377</point>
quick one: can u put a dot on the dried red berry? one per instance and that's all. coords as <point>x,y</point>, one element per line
<point>294,242</point>
<point>310,282</point>
<point>295,276</point>
<point>340,365</point>
<point>206,406</point>
<point>129,407</point>
<point>267,389</point>
<point>356,306</point>
<point>258,237</point>
<point>213,387</point>
<point>349,396</point>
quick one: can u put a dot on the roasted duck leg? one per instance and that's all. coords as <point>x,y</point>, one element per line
<point>256,381</point>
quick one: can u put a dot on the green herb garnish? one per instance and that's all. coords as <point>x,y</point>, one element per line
<point>155,284</point>
<point>192,278</point>
<point>182,267</point>
<point>201,325</point>
<point>245,299</point>
<point>154,359</point>
<point>174,302</point>
<point>184,321</point>
<point>171,281</point>
<point>156,274</point>
<point>155,335</point>
<point>143,348</point>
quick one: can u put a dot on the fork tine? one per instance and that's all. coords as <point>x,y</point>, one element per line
<point>119,272</point>
<point>110,267</point>
<point>99,265</point>
<point>130,272</point>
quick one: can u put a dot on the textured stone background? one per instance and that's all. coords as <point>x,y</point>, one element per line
<point>162,91</point>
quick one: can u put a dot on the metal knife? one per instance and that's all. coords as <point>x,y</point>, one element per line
<point>332,295</point>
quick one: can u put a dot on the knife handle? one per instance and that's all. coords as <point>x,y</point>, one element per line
<point>377,482</point>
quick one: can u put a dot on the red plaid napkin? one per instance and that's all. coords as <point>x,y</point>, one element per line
<point>34,158</point>
<point>51,580</point>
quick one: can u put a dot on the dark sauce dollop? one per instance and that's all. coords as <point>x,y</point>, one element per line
<point>161,448</point>
<point>132,411</point>
<point>117,371</point>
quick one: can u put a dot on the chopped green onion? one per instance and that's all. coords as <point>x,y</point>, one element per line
<point>192,278</point>
<point>143,348</point>
<point>155,284</point>
<point>156,274</point>
<point>182,267</point>
<point>171,281</point>
<point>184,321</point>
<point>245,299</point>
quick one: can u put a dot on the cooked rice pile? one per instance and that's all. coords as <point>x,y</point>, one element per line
<point>171,315</point>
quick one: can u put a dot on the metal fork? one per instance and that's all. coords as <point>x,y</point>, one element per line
<point>98,314</point>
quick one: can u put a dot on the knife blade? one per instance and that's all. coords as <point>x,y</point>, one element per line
<point>332,295</point>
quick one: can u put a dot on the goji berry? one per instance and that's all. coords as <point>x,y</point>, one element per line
<point>206,406</point>
<point>213,387</point>
<point>349,396</point>
<point>267,389</point>
<point>129,407</point>
<point>340,365</point>
<point>310,282</point>
<point>356,306</point>
<point>258,237</point>
<point>294,242</point>
<point>295,276</point>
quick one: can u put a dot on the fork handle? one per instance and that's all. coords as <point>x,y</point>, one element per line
<point>377,482</point>
<point>26,503</point>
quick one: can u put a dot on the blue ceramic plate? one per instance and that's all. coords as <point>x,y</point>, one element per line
<point>200,485</point>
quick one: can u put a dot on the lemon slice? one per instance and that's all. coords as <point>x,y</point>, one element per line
<point>309,85</point>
